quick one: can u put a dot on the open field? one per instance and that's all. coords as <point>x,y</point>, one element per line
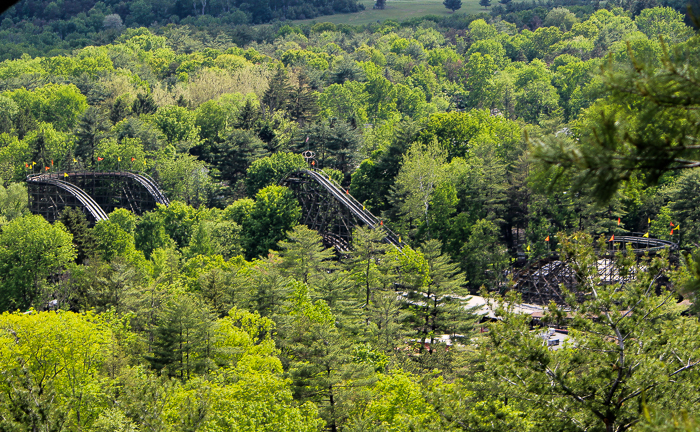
<point>397,10</point>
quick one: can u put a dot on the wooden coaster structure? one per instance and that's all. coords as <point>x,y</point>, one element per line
<point>331,210</point>
<point>540,281</point>
<point>95,193</point>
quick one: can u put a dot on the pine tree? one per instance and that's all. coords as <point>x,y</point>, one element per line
<point>304,258</point>
<point>278,93</point>
<point>262,288</point>
<point>485,3</point>
<point>120,110</point>
<point>452,4</point>
<point>320,358</point>
<point>83,239</point>
<point>436,291</point>
<point>182,345</point>
<point>91,130</point>
<point>144,104</point>
<point>367,265</point>
<point>248,115</point>
<point>303,106</point>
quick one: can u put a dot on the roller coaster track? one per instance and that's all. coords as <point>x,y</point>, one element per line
<point>84,199</point>
<point>346,202</point>
<point>96,197</point>
<point>540,281</point>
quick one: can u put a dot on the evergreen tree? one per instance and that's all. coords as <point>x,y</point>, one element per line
<point>91,129</point>
<point>182,345</point>
<point>144,104</point>
<point>248,115</point>
<point>453,5</point>
<point>120,110</point>
<point>233,156</point>
<point>485,3</point>
<point>367,265</point>
<point>304,258</point>
<point>278,93</point>
<point>320,359</point>
<point>303,105</point>
<point>83,239</point>
<point>262,288</point>
<point>386,316</point>
<point>436,291</point>
<point>335,143</point>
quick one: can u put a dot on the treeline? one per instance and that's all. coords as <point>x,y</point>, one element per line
<point>116,13</point>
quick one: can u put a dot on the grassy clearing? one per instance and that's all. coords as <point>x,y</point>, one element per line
<point>397,10</point>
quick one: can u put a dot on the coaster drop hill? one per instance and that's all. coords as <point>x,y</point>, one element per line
<point>96,193</point>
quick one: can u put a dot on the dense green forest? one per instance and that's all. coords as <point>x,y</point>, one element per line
<point>483,141</point>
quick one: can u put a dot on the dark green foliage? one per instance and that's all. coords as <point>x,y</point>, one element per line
<point>83,240</point>
<point>453,5</point>
<point>234,154</point>
<point>303,107</point>
<point>91,129</point>
<point>335,144</point>
<point>120,110</point>
<point>278,94</point>
<point>372,181</point>
<point>144,104</point>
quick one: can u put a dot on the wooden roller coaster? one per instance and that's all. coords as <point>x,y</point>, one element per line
<point>95,193</point>
<point>540,281</point>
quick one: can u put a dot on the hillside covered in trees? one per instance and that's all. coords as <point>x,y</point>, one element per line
<point>483,141</point>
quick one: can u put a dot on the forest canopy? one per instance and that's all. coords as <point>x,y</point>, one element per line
<point>486,143</point>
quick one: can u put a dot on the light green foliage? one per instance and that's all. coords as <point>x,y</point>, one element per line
<point>618,135</point>
<point>480,30</point>
<point>420,172</point>
<point>239,211</point>
<point>397,403</point>
<point>14,155</point>
<point>31,249</point>
<point>462,134</point>
<point>58,104</point>
<point>271,169</point>
<point>347,101</point>
<point>177,124</point>
<point>491,47</point>
<point>424,122</point>
<point>561,18</point>
<point>183,177</point>
<point>13,202</point>
<point>663,22</point>
<point>45,144</point>
<point>50,364</point>
<point>275,212</point>
<point>479,70</point>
